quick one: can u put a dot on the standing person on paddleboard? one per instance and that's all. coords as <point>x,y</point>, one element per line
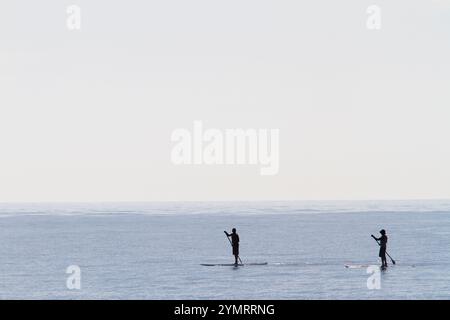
<point>383,244</point>
<point>234,243</point>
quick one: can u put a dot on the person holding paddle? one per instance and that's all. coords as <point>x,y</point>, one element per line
<point>383,244</point>
<point>235,244</point>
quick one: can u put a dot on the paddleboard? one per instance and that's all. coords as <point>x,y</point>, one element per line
<point>232,264</point>
<point>362,266</point>
<point>358,266</point>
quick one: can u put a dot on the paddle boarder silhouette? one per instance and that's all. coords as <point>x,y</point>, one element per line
<point>234,243</point>
<point>383,244</point>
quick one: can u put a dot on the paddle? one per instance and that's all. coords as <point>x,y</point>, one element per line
<point>393,261</point>
<point>232,245</point>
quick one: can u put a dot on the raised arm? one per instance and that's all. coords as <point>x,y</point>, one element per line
<point>227,234</point>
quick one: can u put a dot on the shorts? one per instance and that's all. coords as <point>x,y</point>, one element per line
<point>382,253</point>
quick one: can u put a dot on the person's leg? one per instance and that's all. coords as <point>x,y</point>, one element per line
<point>236,253</point>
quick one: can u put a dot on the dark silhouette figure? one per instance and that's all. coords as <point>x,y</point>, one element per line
<point>383,244</point>
<point>234,243</point>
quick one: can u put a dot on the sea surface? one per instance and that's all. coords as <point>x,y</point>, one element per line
<point>154,250</point>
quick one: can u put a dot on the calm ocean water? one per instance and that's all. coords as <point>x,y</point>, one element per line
<point>154,250</point>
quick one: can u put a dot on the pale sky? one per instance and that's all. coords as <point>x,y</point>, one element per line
<point>87,115</point>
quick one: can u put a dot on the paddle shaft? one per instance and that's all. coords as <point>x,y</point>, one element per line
<point>232,246</point>
<point>393,261</point>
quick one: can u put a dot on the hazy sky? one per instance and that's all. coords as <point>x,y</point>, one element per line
<point>87,115</point>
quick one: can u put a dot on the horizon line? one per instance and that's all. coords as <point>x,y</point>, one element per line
<point>221,201</point>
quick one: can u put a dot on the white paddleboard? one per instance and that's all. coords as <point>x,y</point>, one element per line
<point>362,266</point>
<point>232,264</point>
